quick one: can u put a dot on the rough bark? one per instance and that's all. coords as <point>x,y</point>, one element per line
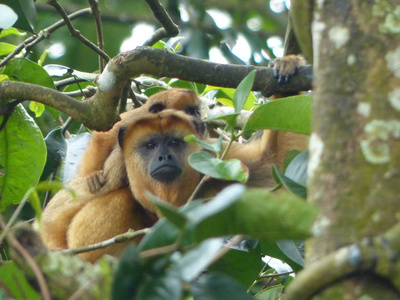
<point>354,168</point>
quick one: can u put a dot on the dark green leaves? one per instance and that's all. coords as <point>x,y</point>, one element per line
<point>256,213</point>
<point>22,69</point>
<point>23,154</point>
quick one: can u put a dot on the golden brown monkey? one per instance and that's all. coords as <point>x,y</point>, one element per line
<point>107,169</point>
<point>102,143</point>
<point>69,223</point>
<point>155,155</point>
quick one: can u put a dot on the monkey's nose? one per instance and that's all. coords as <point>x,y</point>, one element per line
<point>164,157</point>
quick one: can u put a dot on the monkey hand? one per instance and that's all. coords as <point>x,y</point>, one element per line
<point>286,67</point>
<point>95,182</point>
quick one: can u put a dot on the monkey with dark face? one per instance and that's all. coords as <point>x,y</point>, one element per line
<point>150,155</point>
<point>155,155</point>
<point>102,143</point>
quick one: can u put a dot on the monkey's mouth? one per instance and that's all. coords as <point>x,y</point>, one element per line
<point>166,173</point>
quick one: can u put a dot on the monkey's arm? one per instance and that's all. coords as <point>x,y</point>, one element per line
<point>112,177</point>
<point>96,153</point>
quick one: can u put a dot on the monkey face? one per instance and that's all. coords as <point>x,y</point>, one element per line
<point>156,156</point>
<point>164,155</point>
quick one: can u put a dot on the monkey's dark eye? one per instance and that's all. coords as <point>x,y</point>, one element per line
<point>174,143</point>
<point>150,145</point>
<point>193,111</point>
<point>156,107</point>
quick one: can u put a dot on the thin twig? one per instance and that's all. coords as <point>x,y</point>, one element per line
<point>162,16</point>
<point>43,34</point>
<point>117,239</point>
<point>158,251</point>
<point>76,33</point>
<point>94,4</point>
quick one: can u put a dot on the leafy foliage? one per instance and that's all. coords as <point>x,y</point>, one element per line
<point>170,260</point>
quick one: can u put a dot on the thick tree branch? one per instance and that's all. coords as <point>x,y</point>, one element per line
<point>99,111</point>
<point>378,255</point>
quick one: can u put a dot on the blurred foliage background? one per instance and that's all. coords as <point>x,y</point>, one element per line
<point>230,31</point>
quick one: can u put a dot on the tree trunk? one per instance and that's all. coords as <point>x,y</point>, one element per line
<point>354,168</point>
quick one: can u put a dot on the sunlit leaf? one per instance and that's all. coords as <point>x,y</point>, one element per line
<point>226,96</point>
<point>289,114</point>
<point>37,108</point>
<point>206,163</point>
<point>243,90</point>
<point>11,31</point>
<point>6,48</point>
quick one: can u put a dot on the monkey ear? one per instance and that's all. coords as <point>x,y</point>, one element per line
<point>156,107</point>
<point>199,126</point>
<point>121,135</point>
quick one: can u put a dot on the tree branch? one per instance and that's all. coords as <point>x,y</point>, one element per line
<point>99,111</point>
<point>378,255</point>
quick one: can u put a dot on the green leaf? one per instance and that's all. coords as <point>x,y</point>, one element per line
<point>196,260</point>
<point>159,45</point>
<point>226,95</point>
<point>220,203</point>
<point>217,287</point>
<point>37,108</point>
<point>23,154</point>
<point>271,248</point>
<point>26,11</point>
<point>6,48</point>
<point>22,69</point>
<point>297,169</point>
<point>169,211</point>
<point>289,114</point>
<point>160,286</point>
<point>11,31</point>
<point>14,281</point>
<point>257,212</point>
<point>243,90</point>
<point>296,188</point>
<point>129,274</point>
<point>270,293</point>
<point>230,119</point>
<point>206,163</point>
<point>163,233</point>
<point>243,266</point>
<point>215,147</point>
<point>290,250</point>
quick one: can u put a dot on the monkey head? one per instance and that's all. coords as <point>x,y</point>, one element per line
<point>156,156</point>
<point>179,99</point>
